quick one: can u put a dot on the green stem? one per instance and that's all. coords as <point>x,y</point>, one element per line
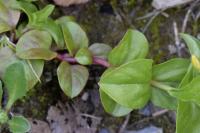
<point>161,86</point>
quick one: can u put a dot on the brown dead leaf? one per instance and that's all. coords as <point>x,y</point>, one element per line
<point>67,119</point>
<point>69,2</point>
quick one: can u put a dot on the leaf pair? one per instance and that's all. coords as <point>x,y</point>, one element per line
<point>123,87</point>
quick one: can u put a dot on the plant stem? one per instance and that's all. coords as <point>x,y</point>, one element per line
<point>161,86</point>
<point>70,59</point>
<point>100,61</point>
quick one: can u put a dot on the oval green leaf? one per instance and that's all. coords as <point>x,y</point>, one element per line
<point>15,82</point>
<point>19,124</point>
<point>72,79</point>
<point>33,39</point>
<point>74,36</point>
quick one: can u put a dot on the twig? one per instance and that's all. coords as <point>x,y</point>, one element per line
<point>159,113</point>
<point>187,15</point>
<point>177,39</point>
<point>70,59</point>
<point>123,127</point>
<point>154,115</point>
<point>91,116</point>
<point>151,20</point>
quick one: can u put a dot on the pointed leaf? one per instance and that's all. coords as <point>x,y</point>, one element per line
<point>112,107</point>
<point>84,56</point>
<point>19,124</point>
<point>15,82</point>
<point>192,43</point>
<point>126,84</point>
<point>74,36</point>
<point>72,79</point>
<point>162,99</point>
<point>41,15</point>
<point>190,92</point>
<point>100,50</point>
<point>134,45</point>
<point>171,70</point>
<point>37,53</point>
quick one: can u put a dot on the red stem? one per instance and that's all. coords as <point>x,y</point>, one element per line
<point>70,59</point>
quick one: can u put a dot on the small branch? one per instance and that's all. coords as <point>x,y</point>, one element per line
<point>100,61</point>
<point>91,116</point>
<point>123,127</point>
<point>70,59</point>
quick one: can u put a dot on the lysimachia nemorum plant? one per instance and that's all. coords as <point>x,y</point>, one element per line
<point>129,82</point>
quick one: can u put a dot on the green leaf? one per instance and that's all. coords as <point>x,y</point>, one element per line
<point>72,79</point>
<point>33,39</point>
<point>171,71</point>
<point>192,43</point>
<point>7,57</point>
<point>19,124</point>
<point>128,83</point>
<point>37,53</point>
<point>100,50</point>
<point>41,15</point>
<point>15,82</point>
<point>163,99</point>
<point>8,17</point>
<point>36,68</point>
<point>1,93</point>
<point>74,36</point>
<point>24,6</point>
<point>3,117</point>
<point>190,92</point>
<point>84,56</point>
<point>112,107</point>
<point>134,45</point>
<point>188,115</point>
<point>187,112</point>
<point>52,28</point>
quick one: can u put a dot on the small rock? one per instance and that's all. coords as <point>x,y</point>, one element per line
<point>104,130</point>
<point>150,129</point>
<point>85,96</point>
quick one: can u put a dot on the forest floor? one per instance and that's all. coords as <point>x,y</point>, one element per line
<point>104,21</point>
